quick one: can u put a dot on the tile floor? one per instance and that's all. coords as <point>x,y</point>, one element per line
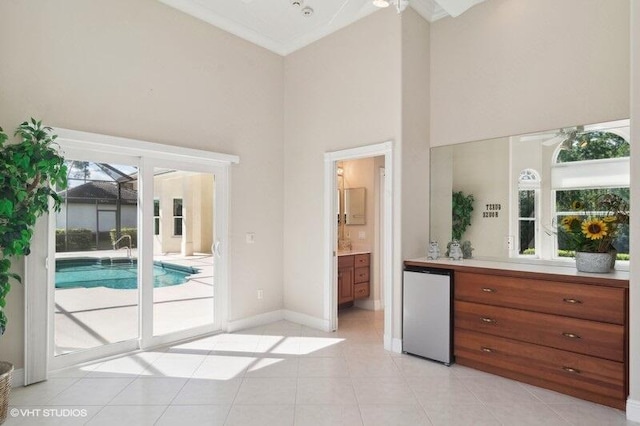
<point>288,374</point>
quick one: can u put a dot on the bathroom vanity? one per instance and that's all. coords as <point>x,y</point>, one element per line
<point>549,326</point>
<point>353,277</point>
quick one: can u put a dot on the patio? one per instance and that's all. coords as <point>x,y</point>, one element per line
<point>90,317</point>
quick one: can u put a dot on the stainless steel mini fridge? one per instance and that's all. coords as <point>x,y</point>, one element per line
<point>426,326</point>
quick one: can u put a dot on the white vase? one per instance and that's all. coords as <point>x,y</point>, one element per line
<point>600,263</point>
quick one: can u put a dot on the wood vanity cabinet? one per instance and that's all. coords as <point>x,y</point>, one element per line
<point>561,334</point>
<point>353,277</point>
<point>345,279</point>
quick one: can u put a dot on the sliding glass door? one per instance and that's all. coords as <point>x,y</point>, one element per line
<point>183,242</point>
<point>134,256</point>
<point>95,287</point>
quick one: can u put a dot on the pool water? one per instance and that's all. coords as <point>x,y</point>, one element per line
<point>121,274</point>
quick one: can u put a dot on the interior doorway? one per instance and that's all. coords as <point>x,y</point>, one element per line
<point>348,243</point>
<point>359,228</point>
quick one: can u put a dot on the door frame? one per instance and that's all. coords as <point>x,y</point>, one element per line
<point>386,257</point>
<point>38,351</point>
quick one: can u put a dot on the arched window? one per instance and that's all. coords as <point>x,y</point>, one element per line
<point>588,165</point>
<point>528,202</point>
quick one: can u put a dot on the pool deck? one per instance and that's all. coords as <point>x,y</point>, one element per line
<point>90,317</point>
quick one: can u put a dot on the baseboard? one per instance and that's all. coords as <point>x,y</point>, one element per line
<point>396,346</point>
<point>255,321</point>
<point>307,320</point>
<point>17,378</point>
<point>633,410</point>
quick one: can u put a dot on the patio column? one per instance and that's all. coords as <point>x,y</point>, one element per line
<point>186,247</point>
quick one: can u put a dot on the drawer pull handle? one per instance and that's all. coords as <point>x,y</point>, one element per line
<point>488,290</point>
<point>571,370</point>
<point>488,320</point>
<point>486,350</point>
<point>572,301</point>
<point>571,335</point>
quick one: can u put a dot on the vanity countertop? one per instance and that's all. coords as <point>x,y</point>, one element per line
<point>351,252</point>
<point>566,272</point>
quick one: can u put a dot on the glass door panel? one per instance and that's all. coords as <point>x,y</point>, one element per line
<point>96,276</point>
<point>183,228</point>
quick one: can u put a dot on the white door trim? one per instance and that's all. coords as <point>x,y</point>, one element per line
<point>38,322</point>
<point>331,233</point>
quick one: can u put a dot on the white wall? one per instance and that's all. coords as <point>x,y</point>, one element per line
<point>482,170</point>
<point>142,70</point>
<point>507,67</point>
<point>341,92</point>
<point>416,64</point>
<point>633,408</point>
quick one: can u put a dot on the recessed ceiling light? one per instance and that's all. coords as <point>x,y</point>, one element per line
<point>296,3</point>
<point>307,11</point>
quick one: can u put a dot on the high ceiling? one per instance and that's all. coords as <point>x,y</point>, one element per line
<point>284,26</point>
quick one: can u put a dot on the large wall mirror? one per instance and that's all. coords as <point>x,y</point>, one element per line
<point>525,186</point>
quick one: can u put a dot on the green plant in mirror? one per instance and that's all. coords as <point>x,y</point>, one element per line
<point>462,206</point>
<point>29,170</point>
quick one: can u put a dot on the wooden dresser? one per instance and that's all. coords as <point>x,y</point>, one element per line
<point>353,277</point>
<point>562,331</point>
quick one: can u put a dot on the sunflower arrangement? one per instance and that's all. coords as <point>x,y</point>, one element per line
<point>595,225</point>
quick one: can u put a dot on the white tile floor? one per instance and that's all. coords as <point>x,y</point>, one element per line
<point>287,374</point>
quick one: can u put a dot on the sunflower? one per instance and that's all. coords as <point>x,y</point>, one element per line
<point>594,229</point>
<point>568,222</point>
<point>577,205</point>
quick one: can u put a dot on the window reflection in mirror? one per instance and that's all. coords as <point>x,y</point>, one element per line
<point>532,177</point>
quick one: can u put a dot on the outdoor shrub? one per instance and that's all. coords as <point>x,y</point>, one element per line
<point>78,239</point>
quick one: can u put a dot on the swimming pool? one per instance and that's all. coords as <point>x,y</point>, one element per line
<point>121,274</point>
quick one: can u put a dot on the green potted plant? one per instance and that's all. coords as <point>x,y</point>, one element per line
<point>461,209</point>
<point>29,170</point>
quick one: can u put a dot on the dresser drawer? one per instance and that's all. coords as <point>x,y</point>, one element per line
<point>598,303</point>
<point>361,290</point>
<point>570,370</point>
<point>361,260</point>
<point>576,335</point>
<point>362,275</point>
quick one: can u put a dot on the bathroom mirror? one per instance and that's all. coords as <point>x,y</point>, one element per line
<point>354,206</point>
<point>515,182</point>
